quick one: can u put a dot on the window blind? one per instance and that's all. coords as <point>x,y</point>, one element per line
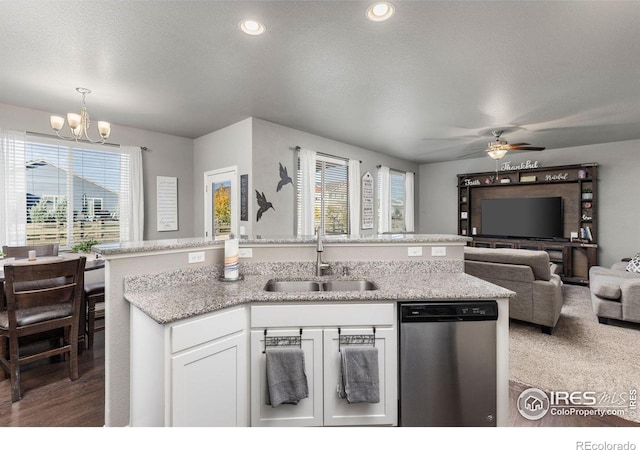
<point>73,192</point>
<point>331,197</point>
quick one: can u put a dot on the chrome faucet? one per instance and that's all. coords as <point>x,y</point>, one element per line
<point>321,266</point>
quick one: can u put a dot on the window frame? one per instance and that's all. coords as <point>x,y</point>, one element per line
<point>323,159</point>
<point>72,149</point>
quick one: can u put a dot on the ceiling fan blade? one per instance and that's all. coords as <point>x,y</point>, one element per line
<point>519,144</point>
<point>528,148</point>
<point>471,155</point>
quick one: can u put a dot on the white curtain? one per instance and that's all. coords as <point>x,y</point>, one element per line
<point>13,188</point>
<point>131,194</point>
<point>307,191</point>
<point>384,219</point>
<point>408,203</point>
<point>354,196</point>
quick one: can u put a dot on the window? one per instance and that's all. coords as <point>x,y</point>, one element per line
<point>73,192</point>
<point>331,199</point>
<point>395,202</point>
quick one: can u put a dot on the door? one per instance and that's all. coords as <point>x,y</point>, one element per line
<point>338,411</point>
<point>221,204</point>
<point>209,385</point>
<point>308,411</point>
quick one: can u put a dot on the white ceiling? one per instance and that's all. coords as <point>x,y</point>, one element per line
<point>428,85</point>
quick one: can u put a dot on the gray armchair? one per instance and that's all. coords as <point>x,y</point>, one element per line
<point>615,293</point>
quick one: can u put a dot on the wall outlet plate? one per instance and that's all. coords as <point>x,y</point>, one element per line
<point>246,253</point>
<point>438,251</point>
<point>414,251</point>
<point>196,257</point>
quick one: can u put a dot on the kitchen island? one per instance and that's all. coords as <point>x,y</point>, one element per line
<point>167,294</point>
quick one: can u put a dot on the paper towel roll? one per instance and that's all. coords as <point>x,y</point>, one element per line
<point>231,256</point>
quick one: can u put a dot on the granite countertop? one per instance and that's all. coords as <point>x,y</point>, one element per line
<point>167,300</point>
<point>118,248</point>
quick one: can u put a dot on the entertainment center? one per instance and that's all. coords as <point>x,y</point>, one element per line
<point>536,208</point>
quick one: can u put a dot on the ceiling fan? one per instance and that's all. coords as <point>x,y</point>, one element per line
<point>498,148</point>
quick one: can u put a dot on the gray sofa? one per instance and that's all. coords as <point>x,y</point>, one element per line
<point>526,272</point>
<point>615,293</point>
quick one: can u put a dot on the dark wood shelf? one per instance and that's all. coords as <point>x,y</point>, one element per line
<point>573,258</point>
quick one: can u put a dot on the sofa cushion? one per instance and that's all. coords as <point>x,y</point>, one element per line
<point>634,264</point>
<point>538,260</point>
<point>606,287</point>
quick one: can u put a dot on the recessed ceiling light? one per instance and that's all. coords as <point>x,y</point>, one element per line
<point>252,27</point>
<point>380,11</point>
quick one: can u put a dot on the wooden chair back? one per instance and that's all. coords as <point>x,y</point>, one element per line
<point>23,250</point>
<point>41,297</point>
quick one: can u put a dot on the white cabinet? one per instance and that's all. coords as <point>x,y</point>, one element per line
<point>308,411</point>
<point>208,386</point>
<point>192,372</point>
<point>320,339</point>
<point>338,411</point>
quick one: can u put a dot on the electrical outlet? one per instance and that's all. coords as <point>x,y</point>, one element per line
<point>414,251</point>
<point>438,251</point>
<point>246,253</point>
<point>196,257</point>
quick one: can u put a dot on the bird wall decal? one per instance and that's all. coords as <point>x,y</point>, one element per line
<point>263,204</point>
<point>284,178</point>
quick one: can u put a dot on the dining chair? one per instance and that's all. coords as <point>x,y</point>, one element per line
<point>94,299</point>
<point>22,251</point>
<point>41,297</point>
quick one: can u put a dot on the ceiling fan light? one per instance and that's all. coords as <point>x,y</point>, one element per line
<point>497,153</point>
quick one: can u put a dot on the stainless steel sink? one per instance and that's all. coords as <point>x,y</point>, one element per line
<point>349,285</point>
<point>292,286</point>
<point>314,286</point>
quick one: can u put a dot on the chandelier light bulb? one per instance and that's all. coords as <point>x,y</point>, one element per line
<point>73,120</point>
<point>57,122</point>
<point>104,128</point>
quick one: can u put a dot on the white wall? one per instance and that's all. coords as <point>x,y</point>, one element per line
<point>167,156</point>
<point>618,210</point>
<point>229,146</point>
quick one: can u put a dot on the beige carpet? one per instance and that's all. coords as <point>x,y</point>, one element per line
<point>580,355</point>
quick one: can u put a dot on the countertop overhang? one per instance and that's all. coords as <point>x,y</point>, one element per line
<point>121,248</point>
<point>181,300</point>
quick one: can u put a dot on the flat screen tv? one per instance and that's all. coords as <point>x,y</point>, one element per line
<point>535,217</point>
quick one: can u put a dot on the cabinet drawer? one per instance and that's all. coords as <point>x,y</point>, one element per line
<point>207,328</point>
<point>322,315</point>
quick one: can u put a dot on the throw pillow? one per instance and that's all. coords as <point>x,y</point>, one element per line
<point>634,264</point>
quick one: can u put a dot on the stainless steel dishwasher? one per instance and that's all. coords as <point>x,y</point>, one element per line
<point>447,363</point>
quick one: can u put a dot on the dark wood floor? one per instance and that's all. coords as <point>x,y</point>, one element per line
<point>50,400</point>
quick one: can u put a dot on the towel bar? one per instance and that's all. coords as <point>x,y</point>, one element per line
<point>284,341</point>
<point>356,339</point>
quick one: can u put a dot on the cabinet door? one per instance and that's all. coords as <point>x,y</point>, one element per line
<point>308,412</point>
<point>338,411</point>
<point>209,384</point>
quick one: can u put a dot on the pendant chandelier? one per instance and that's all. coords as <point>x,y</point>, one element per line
<point>79,123</point>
